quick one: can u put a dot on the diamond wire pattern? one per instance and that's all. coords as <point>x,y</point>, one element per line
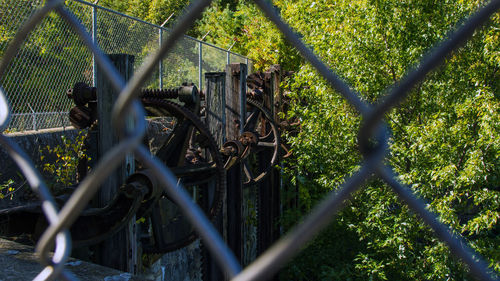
<point>118,34</point>
<point>121,35</point>
<point>38,78</point>
<point>9,10</point>
<point>36,83</point>
<point>234,58</point>
<point>181,64</point>
<point>213,60</point>
<point>269,262</point>
<point>373,142</point>
<point>20,10</point>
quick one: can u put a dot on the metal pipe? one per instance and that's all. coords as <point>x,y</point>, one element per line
<point>200,66</point>
<point>94,39</point>
<point>165,22</point>
<point>160,62</point>
<point>204,36</point>
<point>33,114</point>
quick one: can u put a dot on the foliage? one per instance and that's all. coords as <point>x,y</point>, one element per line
<point>154,11</point>
<point>43,65</point>
<point>242,25</point>
<point>7,189</point>
<point>61,161</point>
<point>445,142</point>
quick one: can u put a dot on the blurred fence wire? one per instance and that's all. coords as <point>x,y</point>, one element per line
<point>373,135</point>
<point>53,58</point>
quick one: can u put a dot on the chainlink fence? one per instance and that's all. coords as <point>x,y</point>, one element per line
<point>373,135</point>
<point>53,58</point>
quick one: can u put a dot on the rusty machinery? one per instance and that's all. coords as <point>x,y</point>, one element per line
<point>186,147</point>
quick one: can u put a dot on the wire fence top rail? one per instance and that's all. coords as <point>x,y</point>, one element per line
<point>157,26</point>
<point>373,164</point>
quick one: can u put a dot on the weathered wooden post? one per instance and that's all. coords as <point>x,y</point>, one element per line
<point>215,105</point>
<point>235,118</point>
<point>119,251</point>
<point>215,86</point>
<point>275,179</point>
<point>269,188</point>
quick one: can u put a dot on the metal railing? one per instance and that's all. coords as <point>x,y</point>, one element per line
<point>373,130</point>
<point>53,58</point>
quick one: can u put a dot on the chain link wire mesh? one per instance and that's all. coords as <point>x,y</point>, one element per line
<point>182,63</point>
<point>373,140</point>
<point>53,58</point>
<point>37,79</point>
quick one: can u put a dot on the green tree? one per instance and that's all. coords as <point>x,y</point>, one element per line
<point>154,11</point>
<point>43,66</point>
<point>445,141</point>
<point>242,25</point>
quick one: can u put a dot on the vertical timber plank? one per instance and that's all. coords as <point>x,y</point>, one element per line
<point>235,114</point>
<point>215,101</point>
<point>120,250</point>
<point>215,104</point>
<point>264,218</point>
<point>269,188</point>
<point>276,78</point>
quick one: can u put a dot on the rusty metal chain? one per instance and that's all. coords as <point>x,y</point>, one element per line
<point>373,128</point>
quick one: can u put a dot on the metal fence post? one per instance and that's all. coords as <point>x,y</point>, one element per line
<point>160,63</point>
<point>94,38</point>
<point>34,117</point>
<point>200,65</point>
<point>160,40</point>
<point>228,52</point>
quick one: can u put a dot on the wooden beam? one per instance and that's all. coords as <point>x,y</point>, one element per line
<point>235,117</point>
<point>119,251</point>
<point>215,119</point>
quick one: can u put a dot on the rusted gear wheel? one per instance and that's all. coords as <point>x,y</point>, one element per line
<point>260,122</point>
<point>192,155</point>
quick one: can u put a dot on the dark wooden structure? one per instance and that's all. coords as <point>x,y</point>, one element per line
<point>225,116</point>
<point>235,115</point>
<point>119,251</point>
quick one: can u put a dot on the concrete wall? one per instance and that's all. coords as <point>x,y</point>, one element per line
<point>183,264</point>
<point>31,142</point>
